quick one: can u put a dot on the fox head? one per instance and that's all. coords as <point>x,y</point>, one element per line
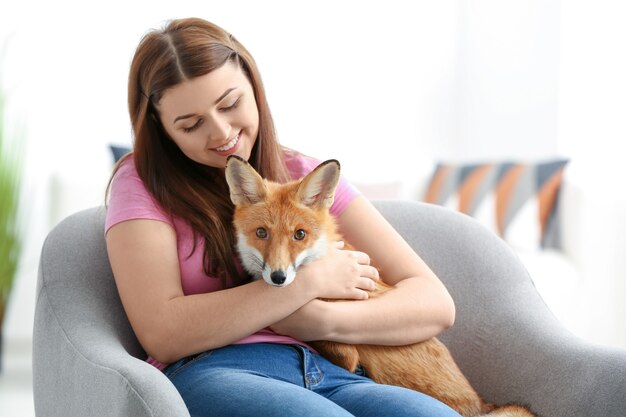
<point>281,227</point>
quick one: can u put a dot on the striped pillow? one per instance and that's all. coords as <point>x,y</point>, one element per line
<point>516,200</point>
<point>119,151</point>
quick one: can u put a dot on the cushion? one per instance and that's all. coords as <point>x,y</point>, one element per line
<point>516,200</point>
<point>118,151</point>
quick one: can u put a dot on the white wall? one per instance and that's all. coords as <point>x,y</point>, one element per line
<point>592,131</point>
<point>506,87</point>
<point>385,87</point>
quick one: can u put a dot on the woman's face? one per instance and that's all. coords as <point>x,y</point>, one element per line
<point>212,116</point>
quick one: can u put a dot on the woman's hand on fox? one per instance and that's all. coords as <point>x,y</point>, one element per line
<point>340,274</point>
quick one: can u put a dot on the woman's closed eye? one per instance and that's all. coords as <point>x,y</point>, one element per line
<point>231,106</point>
<point>194,126</point>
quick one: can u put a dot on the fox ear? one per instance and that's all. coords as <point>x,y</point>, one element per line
<point>317,190</point>
<point>246,185</point>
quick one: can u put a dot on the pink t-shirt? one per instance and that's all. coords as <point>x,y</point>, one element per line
<point>129,199</point>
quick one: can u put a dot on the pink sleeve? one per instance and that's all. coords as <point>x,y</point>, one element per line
<point>129,199</point>
<point>300,165</point>
<point>344,195</point>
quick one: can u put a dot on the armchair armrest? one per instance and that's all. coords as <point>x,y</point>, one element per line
<point>86,360</point>
<point>506,340</point>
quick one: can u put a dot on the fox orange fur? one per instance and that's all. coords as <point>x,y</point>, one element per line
<point>283,226</point>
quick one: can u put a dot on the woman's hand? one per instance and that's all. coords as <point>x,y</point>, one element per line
<point>340,274</point>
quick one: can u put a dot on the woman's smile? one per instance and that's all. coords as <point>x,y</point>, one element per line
<point>230,148</point>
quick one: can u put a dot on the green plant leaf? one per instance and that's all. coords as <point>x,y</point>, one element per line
<point>11,172</point>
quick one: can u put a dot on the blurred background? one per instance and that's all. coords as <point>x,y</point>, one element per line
<point>389,88</point>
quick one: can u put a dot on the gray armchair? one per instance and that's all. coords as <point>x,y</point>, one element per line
<point>87,362</point>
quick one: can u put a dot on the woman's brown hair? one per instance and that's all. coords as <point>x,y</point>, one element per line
<point>198,194</point>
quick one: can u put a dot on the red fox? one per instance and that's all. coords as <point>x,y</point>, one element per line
<point>280,227</point>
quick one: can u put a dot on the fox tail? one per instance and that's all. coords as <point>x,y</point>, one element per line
<point>509,411</point>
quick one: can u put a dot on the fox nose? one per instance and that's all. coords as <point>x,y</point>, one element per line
<point>278,277</point>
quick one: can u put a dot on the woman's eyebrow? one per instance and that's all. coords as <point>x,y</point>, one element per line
<point>220,98</point>
<point>227,92</point>
<point>184,116</point>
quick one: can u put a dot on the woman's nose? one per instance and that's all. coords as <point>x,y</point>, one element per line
<point>219,131</point>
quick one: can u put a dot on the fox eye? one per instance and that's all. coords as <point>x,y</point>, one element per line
<point>299,235</point>
<point>261,233</point>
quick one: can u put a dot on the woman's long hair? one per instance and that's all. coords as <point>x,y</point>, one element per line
<point>196,193</point>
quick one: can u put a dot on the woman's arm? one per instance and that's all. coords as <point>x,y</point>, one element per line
<point>417,308</point>
<point>169,325</point>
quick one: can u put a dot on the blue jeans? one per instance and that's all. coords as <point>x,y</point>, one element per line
<point>266,379</point>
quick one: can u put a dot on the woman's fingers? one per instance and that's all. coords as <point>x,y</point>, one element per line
<point>366,284</point>
<point>367,272</point>
<point>372,272</point>
<point>361,257</point>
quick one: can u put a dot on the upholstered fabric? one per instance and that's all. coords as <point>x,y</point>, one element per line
<point>118,151</point>
<point>86,359</point>
<point>87,362</point>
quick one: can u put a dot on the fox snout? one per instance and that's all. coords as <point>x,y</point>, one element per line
<point>262,268</point>
<point>278,277</point>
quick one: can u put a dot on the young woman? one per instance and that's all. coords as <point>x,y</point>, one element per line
<point>230,346</point>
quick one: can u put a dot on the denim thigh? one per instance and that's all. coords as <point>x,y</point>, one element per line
<point>267,379</point>
<point>249,380</point>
